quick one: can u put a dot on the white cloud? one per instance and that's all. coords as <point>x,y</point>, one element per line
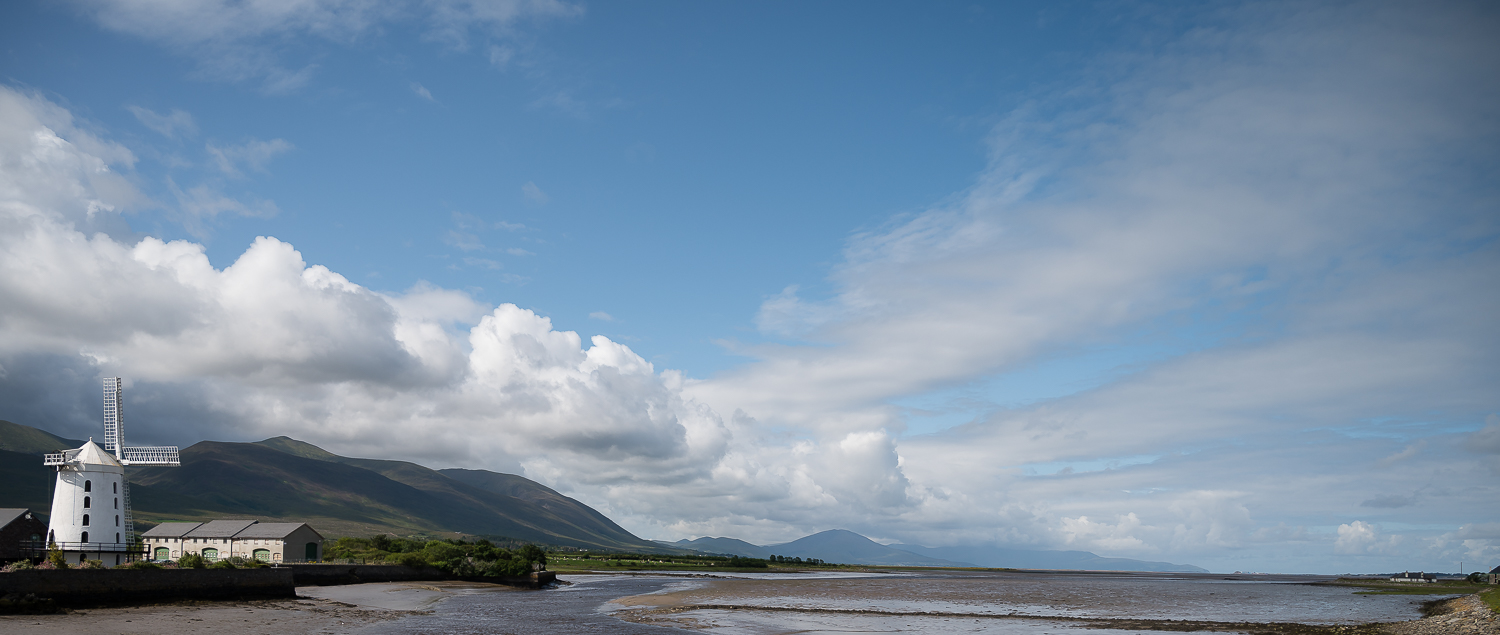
<point>600,315</point>
<point>463,241</point>
<point>171,125</point>
<point>253,155</point>
<point>238,41</point>
<point>422,92</point>
<point>534,193</point>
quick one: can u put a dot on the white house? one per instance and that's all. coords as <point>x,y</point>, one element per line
<point>215,539</point>
<point>1407,576</point>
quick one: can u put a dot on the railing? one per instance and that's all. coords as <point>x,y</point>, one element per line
<point>39,548</point>
<point>53,459</point>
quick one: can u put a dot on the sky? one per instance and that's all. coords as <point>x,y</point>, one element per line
<point>1210,283</point>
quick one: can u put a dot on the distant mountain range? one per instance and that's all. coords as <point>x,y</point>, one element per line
<point>847,547</point>
<point>285,479</point>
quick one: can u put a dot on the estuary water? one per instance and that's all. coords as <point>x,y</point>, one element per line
<point>937,602</point>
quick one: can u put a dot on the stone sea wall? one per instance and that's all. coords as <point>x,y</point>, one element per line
<point>109,586</point>
<point>331,574</point>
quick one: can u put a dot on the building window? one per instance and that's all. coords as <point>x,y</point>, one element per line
<point>88,486</point>
<point>85,534</point>
<point>85,521</point>
<point>86,502</point>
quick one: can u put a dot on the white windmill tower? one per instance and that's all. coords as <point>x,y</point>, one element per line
<point>91,502</point>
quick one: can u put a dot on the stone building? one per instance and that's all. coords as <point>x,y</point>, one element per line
<point>215,539</point>
<point>22,535</point>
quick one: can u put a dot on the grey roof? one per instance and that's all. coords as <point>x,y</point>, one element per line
<point>9,515</point>
<point>272,530</point>
<point>170,530</point>
<point>219,529</point>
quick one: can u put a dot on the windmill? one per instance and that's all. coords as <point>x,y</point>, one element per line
<point>89,474</point>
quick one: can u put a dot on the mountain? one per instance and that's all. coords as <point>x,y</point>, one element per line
<point>286,479</point>
<point>846,547</point>
<point>15,437</point>
<point>1030,559</point>
<point>723,546</point>
<point>28,483</point>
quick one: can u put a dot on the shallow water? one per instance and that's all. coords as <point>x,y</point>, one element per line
<point>929,602</point>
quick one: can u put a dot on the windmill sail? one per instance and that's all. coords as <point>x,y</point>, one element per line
<point>114,431</point>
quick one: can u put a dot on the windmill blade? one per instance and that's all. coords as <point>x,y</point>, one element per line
<point>158,455</point>
<point>114,415</point>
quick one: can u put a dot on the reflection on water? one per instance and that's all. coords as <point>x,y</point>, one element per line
<point>930,602</point>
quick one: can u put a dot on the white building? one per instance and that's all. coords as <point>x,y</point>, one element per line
<point>216,539</point>
<point>88,510</point>
<point>91,500</point>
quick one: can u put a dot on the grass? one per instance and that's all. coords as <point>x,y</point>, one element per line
<point>1382,587</point>
<point>1491,597</point>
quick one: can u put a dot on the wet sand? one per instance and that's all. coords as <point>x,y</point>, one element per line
<point>1029,603</point>
<point>332,610</point>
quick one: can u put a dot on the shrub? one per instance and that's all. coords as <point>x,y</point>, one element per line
<point>97,565</point>
<point>222,564</point>
<point>142,564</point>
<point>19,565</point>
<point>410,559</point>
<point>55,558</point>
<point>191,561</point>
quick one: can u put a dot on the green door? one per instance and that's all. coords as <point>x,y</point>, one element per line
<point>210,554</point>
<point>312,551</point>
<point>263,555</point>
<point>162,553</point>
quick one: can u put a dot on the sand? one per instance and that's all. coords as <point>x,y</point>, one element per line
<point>331,610</point>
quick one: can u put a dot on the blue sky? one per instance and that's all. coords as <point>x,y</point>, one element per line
<point>1176,282</point>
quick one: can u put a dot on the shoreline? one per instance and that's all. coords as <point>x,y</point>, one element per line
<point>1463,615</point>
<point>345,609</point>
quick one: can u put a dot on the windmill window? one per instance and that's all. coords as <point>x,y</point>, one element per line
<point>117,536</point>
<point>115,487</point>
<point>117,503</point>
<point>88,486</point>
<point>85,521</point>
<point>86,502</point>
<point>117,522</point>
<point>85,534</point>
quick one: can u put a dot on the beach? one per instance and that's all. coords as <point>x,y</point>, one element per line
<point>811,604</point>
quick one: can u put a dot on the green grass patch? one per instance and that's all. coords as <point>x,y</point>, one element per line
<point>1382,587</point>
<point>1491,597</point>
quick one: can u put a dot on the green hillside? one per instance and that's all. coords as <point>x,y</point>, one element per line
<point>15,437</point>
<point>285,479</point>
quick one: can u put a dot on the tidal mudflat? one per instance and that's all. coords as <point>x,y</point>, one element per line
<point>936,602</point>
